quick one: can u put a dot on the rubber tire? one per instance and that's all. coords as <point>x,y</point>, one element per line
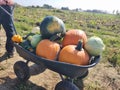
<point>21,70</point>
<point>66,85</point>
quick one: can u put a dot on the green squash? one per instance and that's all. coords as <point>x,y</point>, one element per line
<point>35,39</point>
<point>94,46</point>
<point>50,26</point>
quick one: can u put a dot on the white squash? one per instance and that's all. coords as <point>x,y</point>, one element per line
<point>94,46</point>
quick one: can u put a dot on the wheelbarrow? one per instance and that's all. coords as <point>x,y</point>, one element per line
<point>68,72</point>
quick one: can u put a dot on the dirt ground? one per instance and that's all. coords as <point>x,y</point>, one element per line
<point>101,77</point>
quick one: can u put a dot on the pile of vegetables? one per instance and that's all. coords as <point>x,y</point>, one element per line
<point>55,43</point>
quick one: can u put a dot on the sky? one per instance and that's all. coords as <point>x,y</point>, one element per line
<point>105,5</point>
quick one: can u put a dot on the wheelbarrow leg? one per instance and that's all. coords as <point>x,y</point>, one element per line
<point>79,83</point>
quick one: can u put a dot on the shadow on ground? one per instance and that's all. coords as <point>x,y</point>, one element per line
<point>10,82</point>
<point>15,84</point>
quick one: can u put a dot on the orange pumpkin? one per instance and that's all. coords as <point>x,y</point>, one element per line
<point>48,49</point>
<point>73,36</point>
<point>74,54</point>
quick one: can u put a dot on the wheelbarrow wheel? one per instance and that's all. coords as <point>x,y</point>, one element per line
<point>21,70</point>
<point>66,85</point>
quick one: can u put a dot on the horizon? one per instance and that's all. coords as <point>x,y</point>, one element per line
<point>107,5</point>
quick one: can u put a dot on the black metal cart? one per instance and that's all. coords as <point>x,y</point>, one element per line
<point>68,72</point>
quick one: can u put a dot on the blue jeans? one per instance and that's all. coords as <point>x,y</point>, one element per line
<point>7,23</point>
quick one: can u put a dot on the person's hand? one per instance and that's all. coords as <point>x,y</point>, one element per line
<point>9,2</point>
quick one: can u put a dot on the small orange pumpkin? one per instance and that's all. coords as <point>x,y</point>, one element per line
<point>17,38</point>
<point>74,54</point>
<point>73,36</point>
<point>48,49</point>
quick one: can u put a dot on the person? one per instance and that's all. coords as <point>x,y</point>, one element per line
<point>6,20</point>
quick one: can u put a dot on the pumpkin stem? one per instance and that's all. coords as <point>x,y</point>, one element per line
<point>79,45</point>
<point>55,37</point>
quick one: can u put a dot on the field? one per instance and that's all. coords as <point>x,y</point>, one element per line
<point>104,76</point>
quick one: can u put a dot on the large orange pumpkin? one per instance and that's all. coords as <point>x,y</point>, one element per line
<point>48,49</point>
<point>74,54</point>
<point>72,37</point>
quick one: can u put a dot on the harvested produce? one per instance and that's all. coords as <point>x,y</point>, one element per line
<point>50,26</point>
<point>73,36</point>
<point>48,49</point>
<point>74,54</point>
<point>35,39</point>
<point>95,46</point>
<point>17,38</point>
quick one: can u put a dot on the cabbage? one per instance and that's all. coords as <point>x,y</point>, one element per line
<point>94,46</point>
<point>35,40</point>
